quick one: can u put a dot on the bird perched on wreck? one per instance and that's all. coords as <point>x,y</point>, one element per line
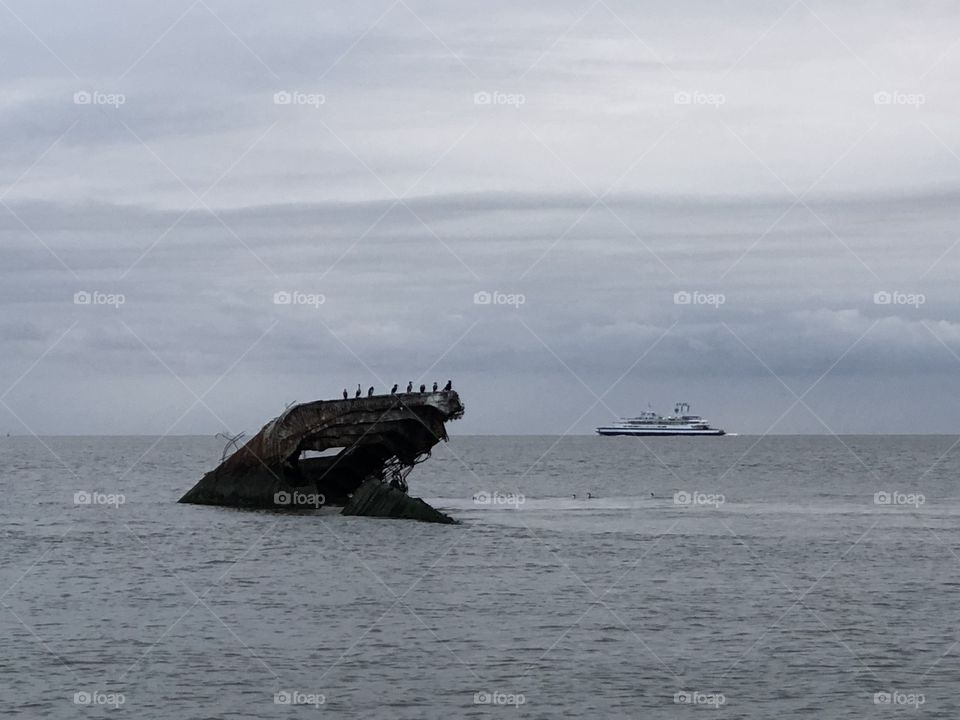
<point>449,386</point>
<point>370,391</point>
<point>357,393</point>
<point>434,387</point>
<point>423,388</point>
<point>345,394</point>
<point>393,390</point>
<point>410,386</point>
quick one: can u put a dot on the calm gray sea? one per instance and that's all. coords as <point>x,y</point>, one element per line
<point>706,577</point>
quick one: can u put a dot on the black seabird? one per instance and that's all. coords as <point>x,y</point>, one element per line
<point>410,386</point>
<point>370,391</point>
<point>434,387</point>
<point>449,386</point>
<point>394,390</point>
<point>423,388</point>
<point>357,393</point>
<point>345,395</point>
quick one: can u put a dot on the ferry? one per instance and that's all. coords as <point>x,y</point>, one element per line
<point>650,423</point>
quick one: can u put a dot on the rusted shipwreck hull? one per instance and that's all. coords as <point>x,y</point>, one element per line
<point>381,439</point>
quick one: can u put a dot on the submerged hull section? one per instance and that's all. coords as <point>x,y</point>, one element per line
<point>379,438</point>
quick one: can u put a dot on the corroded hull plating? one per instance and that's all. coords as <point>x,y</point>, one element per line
<point>381,437</point>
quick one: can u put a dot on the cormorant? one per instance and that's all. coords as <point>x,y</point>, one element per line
<point>449,386</point>
<point>357,393</point>
<point>345,395</point>
<point>423,388</point>
<point>410,386</point>
<point>370,391</point>
<point>589,496</point>
<point>434,387</point>
<point>394,390</point>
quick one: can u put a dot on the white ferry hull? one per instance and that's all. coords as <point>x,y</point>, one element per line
<point>648,432</point>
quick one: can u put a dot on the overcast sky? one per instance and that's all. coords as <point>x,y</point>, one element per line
<point>749,206</point>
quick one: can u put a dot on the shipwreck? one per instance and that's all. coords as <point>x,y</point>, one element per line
<point>370,443</point>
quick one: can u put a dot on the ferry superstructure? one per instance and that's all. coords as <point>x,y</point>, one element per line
<point>650,423</point>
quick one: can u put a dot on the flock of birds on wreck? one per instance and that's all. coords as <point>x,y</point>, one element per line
<point>393,391</point>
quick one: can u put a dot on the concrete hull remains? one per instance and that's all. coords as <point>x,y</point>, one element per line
<point>378,439</point>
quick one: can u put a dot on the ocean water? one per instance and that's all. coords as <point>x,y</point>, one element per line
<point>738,577</point>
